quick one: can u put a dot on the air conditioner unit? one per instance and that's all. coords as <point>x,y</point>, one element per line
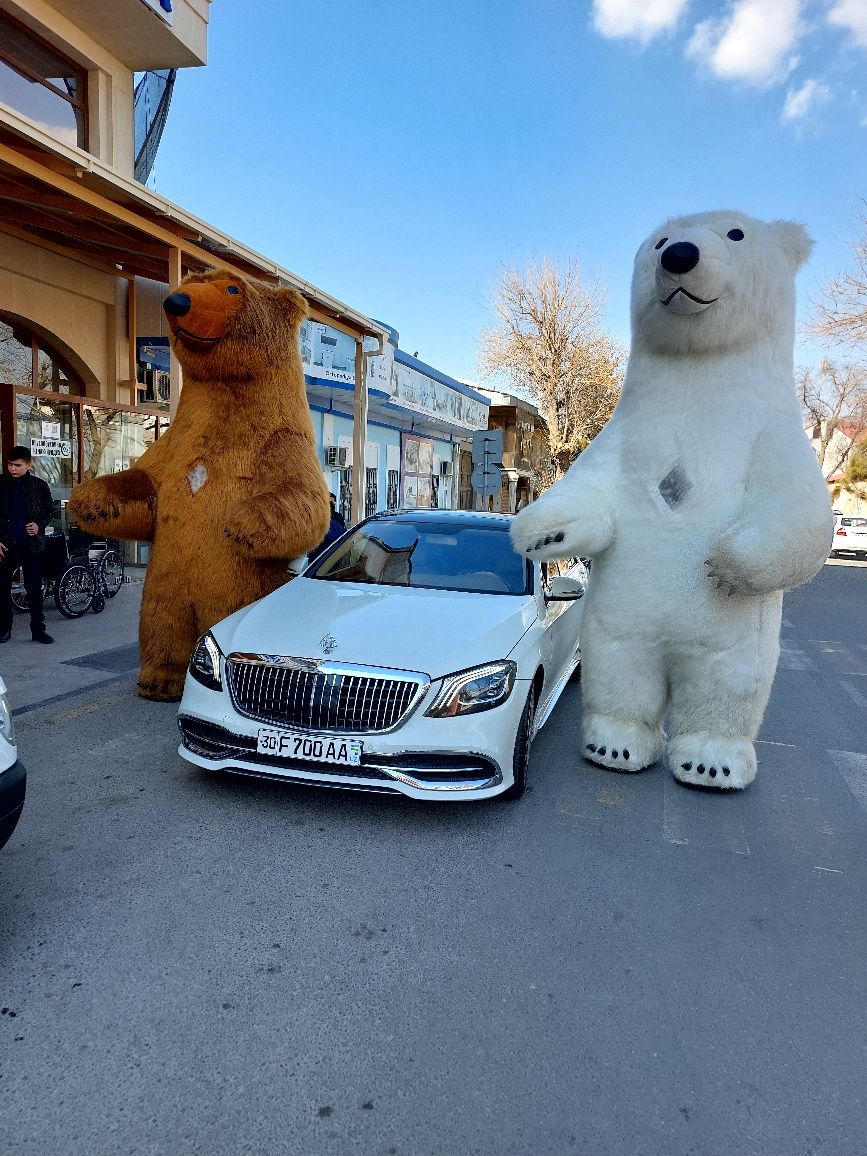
<point>335,456</point>
<point>446,469</point>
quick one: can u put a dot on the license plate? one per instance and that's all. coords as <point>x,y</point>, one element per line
<point>313,748</point>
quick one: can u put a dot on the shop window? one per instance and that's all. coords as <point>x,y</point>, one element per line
<point>417,472</point>
<point>371,491</point>
<point>41,83</point>
<point>49,429</point>
<point>113,440</point>
<point>392,492</point>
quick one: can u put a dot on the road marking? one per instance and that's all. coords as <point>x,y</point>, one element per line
<point>793,658</point>
<point>768,743</point>
<point>828,870</point>
<point>786,622</point>
<point>854,693</point>
<point>691,819</point>
<point>852,765</point>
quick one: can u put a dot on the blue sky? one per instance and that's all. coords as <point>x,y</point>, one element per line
<point>398,154</point>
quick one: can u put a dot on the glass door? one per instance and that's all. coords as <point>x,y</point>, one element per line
<point>49,429</point>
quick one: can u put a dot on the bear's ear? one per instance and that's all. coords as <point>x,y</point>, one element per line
<point>293,304</point>
<point>793,239</point>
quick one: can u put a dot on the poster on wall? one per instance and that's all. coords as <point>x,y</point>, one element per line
<point>410,493</point>
<point>425,457</point>
<point>410,455</point>
<point>50,448</point>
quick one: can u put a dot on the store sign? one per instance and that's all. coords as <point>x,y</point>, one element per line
<point>422,394</point>
<point>153,352</point>
<point>326,353</point>
<point>50,448</point>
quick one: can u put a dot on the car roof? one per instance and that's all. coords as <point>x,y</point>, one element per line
<point>461,518</point>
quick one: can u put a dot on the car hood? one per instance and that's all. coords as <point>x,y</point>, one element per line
<point>432,631</point>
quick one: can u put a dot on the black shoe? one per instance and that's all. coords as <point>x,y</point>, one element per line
<point>5,636</point>
<point>42,637</point>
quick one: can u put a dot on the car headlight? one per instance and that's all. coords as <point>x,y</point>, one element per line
<point>470,691</point>
<point>205,663</point>
<point>7,729</point>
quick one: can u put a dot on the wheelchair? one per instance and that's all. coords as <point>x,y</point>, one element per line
<point>81,571</point>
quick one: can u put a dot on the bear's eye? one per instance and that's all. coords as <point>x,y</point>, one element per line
<point>235,289</point>
<point>659,244</point>
<point>735,234</point>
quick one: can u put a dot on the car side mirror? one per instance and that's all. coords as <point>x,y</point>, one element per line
<point>564,589</point>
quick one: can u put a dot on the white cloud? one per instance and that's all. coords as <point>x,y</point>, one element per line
<point>754,43</point>
<point>804,100</point>
<point>851,15</point>
<point>641,19</point>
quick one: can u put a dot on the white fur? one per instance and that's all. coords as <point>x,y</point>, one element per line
<point>700,502</point>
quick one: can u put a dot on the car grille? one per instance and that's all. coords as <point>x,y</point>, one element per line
<point>322,696</point>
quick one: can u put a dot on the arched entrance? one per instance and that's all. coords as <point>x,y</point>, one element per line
<point>44,405</point>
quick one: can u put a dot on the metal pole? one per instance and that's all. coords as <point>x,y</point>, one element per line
<point>359,433</point>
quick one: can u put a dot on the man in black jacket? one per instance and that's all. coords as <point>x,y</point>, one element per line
<point>26,508</point>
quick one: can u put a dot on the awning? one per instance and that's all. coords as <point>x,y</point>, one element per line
<point>65,200</point>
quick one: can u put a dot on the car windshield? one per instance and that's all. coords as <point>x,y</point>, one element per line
<point>434,555</point>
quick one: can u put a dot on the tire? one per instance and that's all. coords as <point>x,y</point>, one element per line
<point>97,603</point>
<point>74,591</point>
<point>521,756</point>
<point>19,595</point>
<point>111,568</point>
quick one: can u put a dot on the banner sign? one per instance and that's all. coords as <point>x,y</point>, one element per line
<point>50,448</point>
<point>153,352</point>
<point>328,354</point>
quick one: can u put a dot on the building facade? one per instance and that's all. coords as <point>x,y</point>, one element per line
<point>87,255</point>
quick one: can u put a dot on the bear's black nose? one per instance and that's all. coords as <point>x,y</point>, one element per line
<point>680,257</point>
<point>178,304</point>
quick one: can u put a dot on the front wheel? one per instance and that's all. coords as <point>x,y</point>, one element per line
<point>521,757</point>
<point>74,591</point>
<point>111,567</point>
<point>19,594</point>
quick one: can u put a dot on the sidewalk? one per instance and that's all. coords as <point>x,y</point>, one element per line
<point>87,652</point>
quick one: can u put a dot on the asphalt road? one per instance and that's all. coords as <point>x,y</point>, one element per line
<point>615,964</point>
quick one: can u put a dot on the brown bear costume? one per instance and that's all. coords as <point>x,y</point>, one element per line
<point>233,490</point>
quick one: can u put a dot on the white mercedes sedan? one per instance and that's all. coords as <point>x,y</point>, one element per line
<point>418,655</point>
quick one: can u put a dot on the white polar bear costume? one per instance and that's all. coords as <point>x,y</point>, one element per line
<point>700,503</point>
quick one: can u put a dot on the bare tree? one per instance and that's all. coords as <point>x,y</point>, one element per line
<point>842,316</point>
<point>834,401</point>
<point>548,342</point>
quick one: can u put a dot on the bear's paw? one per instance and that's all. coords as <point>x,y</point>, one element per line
<point>715,761</point>
<point>619,745</point>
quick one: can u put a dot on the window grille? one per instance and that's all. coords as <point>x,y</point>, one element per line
<point>346,494</point>
<point>392,493</point>
<point>371,491</point>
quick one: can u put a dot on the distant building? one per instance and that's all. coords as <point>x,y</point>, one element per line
<point>527,467</point>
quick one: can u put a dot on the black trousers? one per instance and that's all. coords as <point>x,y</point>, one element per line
<point>19,555</point>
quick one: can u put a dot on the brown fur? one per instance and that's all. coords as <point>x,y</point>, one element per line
<point>243,415</point>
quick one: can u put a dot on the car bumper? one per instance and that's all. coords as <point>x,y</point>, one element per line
<point>448,759</point>
<point>13,784</point>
